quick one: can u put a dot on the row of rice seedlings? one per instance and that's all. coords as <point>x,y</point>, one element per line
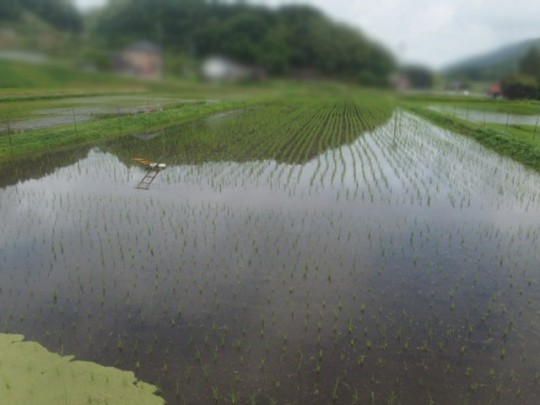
<point>199,298</point>
<point>385,180</point>
<point>250,227</point>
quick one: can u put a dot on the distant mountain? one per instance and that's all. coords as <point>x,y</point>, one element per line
<point>492,65</point>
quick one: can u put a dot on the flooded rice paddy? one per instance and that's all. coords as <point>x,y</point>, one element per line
<point>488,117</point>
<point>82,109</point>
<point>401,266</point>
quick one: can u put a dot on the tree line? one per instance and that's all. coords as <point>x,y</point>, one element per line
<point>282,41</point>
<point>61,14</point>
<point>525,83</point>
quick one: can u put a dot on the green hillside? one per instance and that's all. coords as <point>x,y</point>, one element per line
<point>291,40</point>
<point>15,75</point>
<point>61,14</point>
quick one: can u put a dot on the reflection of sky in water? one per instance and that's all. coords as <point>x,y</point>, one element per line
<point>401,217</point>
<point>380,181</point>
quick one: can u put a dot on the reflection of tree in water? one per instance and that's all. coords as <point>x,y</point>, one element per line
<point>286,133</point>
<point>12,172</point>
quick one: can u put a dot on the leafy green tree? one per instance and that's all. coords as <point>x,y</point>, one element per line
<point>420,77</point>
<point>520,86</point>
<point>60,13</point>
<point>10,10</point>
<point>530,63</point>
<point>290,38</point>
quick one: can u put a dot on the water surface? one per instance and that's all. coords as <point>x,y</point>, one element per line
<point>487,116</point>
<point>402,266</point>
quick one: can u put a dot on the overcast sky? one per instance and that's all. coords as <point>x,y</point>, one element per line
<point>431,32</point>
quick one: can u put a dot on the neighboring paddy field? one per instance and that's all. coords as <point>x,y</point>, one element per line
<point>511,128</point>
<point>301,247</point>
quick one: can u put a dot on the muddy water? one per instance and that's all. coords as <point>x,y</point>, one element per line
<point>402,267</point>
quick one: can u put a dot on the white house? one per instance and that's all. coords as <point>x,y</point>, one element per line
<point>221,69</point>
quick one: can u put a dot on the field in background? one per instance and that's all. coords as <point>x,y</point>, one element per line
<point>510,128</point>
<point>307,243</point>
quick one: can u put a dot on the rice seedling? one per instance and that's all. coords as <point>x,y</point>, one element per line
<point>297,240</point>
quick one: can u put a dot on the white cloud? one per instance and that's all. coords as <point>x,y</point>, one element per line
<point>437,17</point>
<point>436,32</point>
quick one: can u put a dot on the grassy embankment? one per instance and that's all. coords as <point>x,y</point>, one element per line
<point>519,142</point>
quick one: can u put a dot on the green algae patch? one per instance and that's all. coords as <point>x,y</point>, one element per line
<point>30,374</point>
